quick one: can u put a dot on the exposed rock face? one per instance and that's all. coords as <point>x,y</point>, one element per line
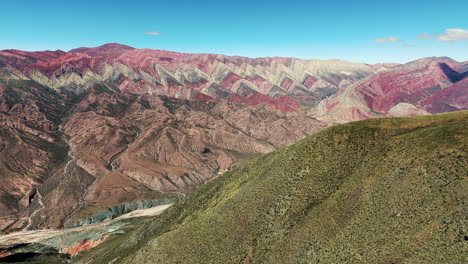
<point>187,75</point>
<point>96,127</point>
<point>29,149</point>
<point>431,85</point>
<point>122,209</point>
<point>451,98</point>
<point>405,109</point>
<point>172,145</point>
<point>57,246</point>
<point>122,147</point>
<point>83,245</point>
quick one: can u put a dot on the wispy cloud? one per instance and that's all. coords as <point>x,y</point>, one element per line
<point>424,36</point>
<point>152,33</point>
<point>453,34</point>
<point>408,45</point>
<point>387,39</point>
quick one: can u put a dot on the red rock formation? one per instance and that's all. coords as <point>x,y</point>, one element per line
<point>4,254</point>
<point>430,85</point>
<point>81,246</point>
<point>452,98</point>
<point>178,74</point>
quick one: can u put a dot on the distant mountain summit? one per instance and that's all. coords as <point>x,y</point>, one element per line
<point>110,50</point>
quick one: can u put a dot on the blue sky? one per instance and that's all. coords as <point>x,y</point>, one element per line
<point>327,29</point>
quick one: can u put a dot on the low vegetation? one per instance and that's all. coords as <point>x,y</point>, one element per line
<point>375,191</point>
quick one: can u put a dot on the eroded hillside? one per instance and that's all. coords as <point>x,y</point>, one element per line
<point>376,191</point>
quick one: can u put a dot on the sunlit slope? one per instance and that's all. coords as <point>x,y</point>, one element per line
<point>375,191</point>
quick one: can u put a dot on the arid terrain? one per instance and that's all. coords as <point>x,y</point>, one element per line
<point>92,128</point>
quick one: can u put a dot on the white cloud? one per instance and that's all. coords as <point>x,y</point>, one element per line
<point>425,36</point>
<point>453,34</point>
<point>387,39</point>
<point>152,33</point>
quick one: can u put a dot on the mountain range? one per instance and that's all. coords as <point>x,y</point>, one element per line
<point>92,128</point>
<point>389,190</point>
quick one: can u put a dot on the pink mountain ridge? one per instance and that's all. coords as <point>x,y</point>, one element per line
<point>335,91</point>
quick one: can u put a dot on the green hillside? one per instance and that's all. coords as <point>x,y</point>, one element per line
<point>375,191</point>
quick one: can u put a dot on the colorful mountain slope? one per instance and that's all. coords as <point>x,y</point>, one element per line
<point>375,191</point>
<point>184,75</point>
<point>88,129</point>
<point>63,163</point>
<point>430,85</point>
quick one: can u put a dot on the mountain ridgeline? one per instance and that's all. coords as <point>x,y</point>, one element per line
<point>93,128</point>
<point>374,191</point>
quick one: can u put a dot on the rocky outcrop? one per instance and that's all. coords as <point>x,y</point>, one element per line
<point>78,247</point>
<point>57,246</point>
<point>121,209</point>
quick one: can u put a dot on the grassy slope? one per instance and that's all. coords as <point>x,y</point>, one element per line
<point>375,191</point>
